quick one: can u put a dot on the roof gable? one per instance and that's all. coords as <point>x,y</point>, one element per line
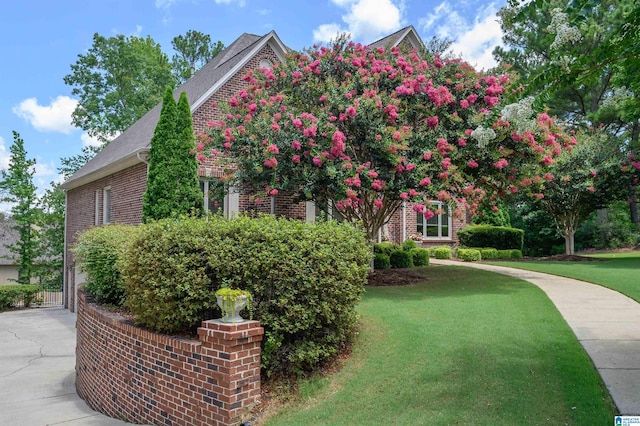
<point>126,149</point>
<point>408,34</point>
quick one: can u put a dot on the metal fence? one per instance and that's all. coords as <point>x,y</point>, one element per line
<point>45,297</point>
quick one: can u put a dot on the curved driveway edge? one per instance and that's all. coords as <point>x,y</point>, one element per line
<point>606,323</point>
<point>37,371</point>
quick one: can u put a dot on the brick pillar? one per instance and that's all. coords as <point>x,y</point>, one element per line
<point>236,352</point>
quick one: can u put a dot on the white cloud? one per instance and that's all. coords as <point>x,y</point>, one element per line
<point>55,117</point>
<point>89,140</point>
<point>366,20</point>
<point>4,156</point>
<point>165,4</point>
<point>240,3</point>
<point>263,11</point>
<point>44,170</point>
<point>474,41</point>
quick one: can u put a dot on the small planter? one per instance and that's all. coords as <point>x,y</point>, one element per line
<point>231,302</point>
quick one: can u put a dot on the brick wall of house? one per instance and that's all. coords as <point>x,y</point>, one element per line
<point>138,376</point>
<point>127,189</point>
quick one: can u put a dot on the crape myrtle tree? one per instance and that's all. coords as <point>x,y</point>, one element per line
<point>369,129</point>
<point>582,180</point>
<point>172,182</point>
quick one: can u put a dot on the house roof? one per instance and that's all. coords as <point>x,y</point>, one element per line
<point>127,149</point>
<point>407,33</point>
<point>130,147</point>
<point>8,235</point>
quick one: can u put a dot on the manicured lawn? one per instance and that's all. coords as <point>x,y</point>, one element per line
<point>620,272</point>
<point>465,347</point>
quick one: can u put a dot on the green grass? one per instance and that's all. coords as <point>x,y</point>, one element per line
<point>620,272</point>
<point>466,347</point>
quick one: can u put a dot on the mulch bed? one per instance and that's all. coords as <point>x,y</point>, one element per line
<point>395,277</point>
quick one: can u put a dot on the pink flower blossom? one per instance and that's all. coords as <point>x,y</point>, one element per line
<point>547,160</point>
<point>424,182</point>
<point>271,163</point>
<point>275,126</point>
<point>413,192</point>
<point>418,208</point>
<point>462,142</point>
<point>404,196</point>
<point>427,155</point>
<point>428,214</point>
<point>410,167</point>
<point>591,188</point>
<point>548,177</point>
<point>593,173</point>
<point>373,174</point>
<point>296,145</point>
<point>317,161</point>
<point>273,148</point>
<point>432,122</point>
<point>295,158</point>
<point>464,104</point>
<point>273,192</point>
<point>377,185</point>
<point>501,163</point>
<point>322,98</point>
<point>378,203</point>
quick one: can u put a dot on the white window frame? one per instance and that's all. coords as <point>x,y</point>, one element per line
<point>97,209</point>
<point>437,205</point>
<point>230,204</point>
<point>106,205</point>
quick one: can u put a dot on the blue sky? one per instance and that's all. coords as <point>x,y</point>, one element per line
<point>39,40</point>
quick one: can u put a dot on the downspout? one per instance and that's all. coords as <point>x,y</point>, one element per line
<point>404,221</point>
<point>142,158</point>
<point>65,260</point>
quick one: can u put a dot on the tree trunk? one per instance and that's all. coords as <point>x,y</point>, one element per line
<point>633,208</point>
<point>569,242</point>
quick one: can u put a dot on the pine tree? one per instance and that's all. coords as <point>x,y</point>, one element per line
<point>18,189</point>
<point>172,182</point>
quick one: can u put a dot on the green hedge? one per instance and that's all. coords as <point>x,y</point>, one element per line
<point>401,259</point>
<point>420,257</point>
<point>499,237</point>
<point>381,261</point>
<point>306,280</point>
<point>516,254</point>
<point>12,296</point>
<point>442,252</point>
<point>98,251</point>
<point>409,245</point>
<point>469,254</point>
<point>385,247</point>
<point>489,253</point>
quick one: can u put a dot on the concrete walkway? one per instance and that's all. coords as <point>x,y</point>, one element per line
<point>605,322</point>
<point>37,371</point>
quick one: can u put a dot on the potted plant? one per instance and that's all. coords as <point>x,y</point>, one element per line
<point>231,302</point>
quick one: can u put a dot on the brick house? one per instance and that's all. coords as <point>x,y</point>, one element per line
<point>110,187</point>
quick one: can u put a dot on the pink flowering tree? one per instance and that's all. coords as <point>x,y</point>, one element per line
<point>582,181</point>
<point>369,129</point>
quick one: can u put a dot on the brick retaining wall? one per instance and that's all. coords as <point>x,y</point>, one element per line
<point>129,373</point>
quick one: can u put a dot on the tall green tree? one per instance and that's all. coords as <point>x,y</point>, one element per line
<point>172,182</point>
<point>117,81</point>
<point>18,189</point>
<point>51,244</point>
<point>193,50</point>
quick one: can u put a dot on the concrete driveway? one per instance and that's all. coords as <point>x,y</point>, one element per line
<point>37,371</point>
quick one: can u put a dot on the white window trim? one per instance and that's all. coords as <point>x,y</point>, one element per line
<point>442,205</point>
<point>97,209</point>
<point>106,205</point>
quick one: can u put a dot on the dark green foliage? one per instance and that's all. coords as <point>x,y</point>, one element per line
<point>499,237</point>
<point>516,254</point>
<point>305,280</point>
<point>487,216</point>
<point>12,295</point>
<point>51,245</point>
<point>469,254</point>
<point>409,245</point>
<point>381,261</point>
<point>401,259</point>
<point>18,189</point>
<point>540,233</point>
<point>442,252</point>
<point>172,183</point>
<point>420,256</point>
<point>385,247</point>
<point>99,252</point>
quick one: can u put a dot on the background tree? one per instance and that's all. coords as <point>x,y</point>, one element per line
<point>51,244</point>
<point>580,59</point>
<point>583,182</point>
<point>17,188</point>
<point>369,129</point>
<point>193,51</point>
<point>172,182</point>
<point>117,81</point>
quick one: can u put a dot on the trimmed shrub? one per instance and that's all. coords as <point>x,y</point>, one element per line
<point>516,254</point>
<point>401,259</point>
<point>499,237</point>
<point>409,245</point>
<point>381,261</point>
<point>98,252</point>
<point>488,253</point>
<point>469,254</point>
<point>385,247</point>
<point>12,295</point>
<point>420,257</point>
<point>442,252</point>
<point>305,280</point>
<point>504,254</point>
